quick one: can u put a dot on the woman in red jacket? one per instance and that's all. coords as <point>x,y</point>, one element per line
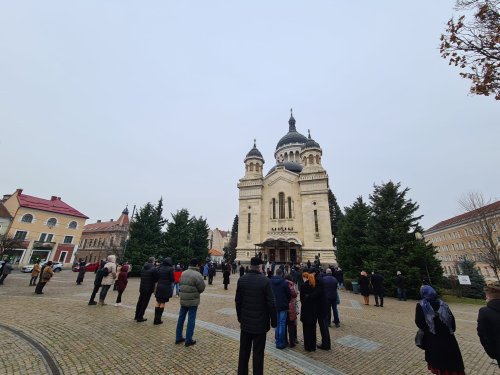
<point>177,277</point>
<point>121,283</point>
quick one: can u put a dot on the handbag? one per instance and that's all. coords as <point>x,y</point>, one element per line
<point>419,339</point>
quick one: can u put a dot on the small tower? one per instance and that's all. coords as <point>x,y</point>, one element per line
<point>310,155</point>
<point>123,219</point>
<point>254,162</point>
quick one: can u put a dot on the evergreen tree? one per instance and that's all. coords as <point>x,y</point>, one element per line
<point>393,244</point>
<point>230,251</point>
<point>145,235</point>
<point>199,238</point>
<point>178,237</point>
<point>336,214</point>
<point>476,289</point>
<point>352,253</point>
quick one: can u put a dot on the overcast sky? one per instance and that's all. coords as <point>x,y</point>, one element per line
<point>108,103</point>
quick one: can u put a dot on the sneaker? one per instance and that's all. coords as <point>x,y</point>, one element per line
<point>190,343</point>
<point>180,341</point>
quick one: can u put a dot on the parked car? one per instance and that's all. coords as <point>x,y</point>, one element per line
<point>89,267</point>
<point>56,267</point>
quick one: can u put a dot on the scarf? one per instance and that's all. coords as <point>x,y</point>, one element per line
<point>429,296</point>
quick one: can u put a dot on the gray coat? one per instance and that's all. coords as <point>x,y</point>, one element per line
<point>192,285</point>
<point>7,268</point>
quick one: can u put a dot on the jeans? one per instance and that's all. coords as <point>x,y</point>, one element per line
<point>104,292</point>
<point>191,312</point>
<point>258,341</point>
<point>332,306</point>
<point>176,289</point>
<point>280,330</point>
<point>401,294</point>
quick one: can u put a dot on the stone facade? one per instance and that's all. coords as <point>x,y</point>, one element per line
<point>104,238</point>
<point>284,216</point>
<point>458,239</point>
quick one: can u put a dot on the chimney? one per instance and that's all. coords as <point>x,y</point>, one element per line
<point>53,198</point>
<point>19,191</point>
<point>111,220</point>
<point>99,220</point>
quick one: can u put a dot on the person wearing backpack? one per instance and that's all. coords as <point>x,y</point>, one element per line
<point>108,278</point>
<point>97,283</point>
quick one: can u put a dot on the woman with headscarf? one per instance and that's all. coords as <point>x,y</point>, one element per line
<point>364,287</point>
<point>163,291</point>
<point>121,283</point>
<point>434,317</point>
<point>309,300</point>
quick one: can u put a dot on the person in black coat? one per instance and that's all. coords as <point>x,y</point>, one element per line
<point>255,309</point>
<point>378,288</point>
<point>400,285</point>
<point>242,270</point>
<point>81,272</point>
<point>165,277</point>
<point>97,282</point>
<point>309,301</point>
<point>322,312</point>
<point>364,287</point>
<point>149,277</point>
<point>211,274</point>
<point>282,297</point>
<point>225,275</point>
<point>434,317</point>
<point>488,322</point>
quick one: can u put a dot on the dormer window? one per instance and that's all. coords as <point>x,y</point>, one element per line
<point>27,218</point>
<point>72,225</point>
<point>52,222</point>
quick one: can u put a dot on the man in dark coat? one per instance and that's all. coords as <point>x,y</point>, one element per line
<point>255,309</point>
<point>226,273</point>
<point>211,274</point>
<point>282,296</point>
<point>488,322</point>
<point>322,312</point>
<point>97,282</point>
<point>331,286</point>
<point>149,277</point>
<point>6,270</point>
<point>81,272</point>
<point>242,270</point>
<point>378,288</point>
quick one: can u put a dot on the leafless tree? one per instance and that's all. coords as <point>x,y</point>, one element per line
<point>472,43</point>
<point>487,223</point>
<point>7,244</point>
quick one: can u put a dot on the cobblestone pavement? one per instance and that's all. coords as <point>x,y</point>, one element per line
<point>83,339</point>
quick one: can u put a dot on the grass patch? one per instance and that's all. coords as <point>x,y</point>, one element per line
<point>470,301</point>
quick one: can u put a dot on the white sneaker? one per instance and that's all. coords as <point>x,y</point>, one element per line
<point>118,304</point>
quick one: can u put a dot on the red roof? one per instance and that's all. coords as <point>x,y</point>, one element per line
<point>215,252</point>
<point>490,208</point>
<point>55,204</point>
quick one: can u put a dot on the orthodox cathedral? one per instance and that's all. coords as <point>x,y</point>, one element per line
<point>284,214</point>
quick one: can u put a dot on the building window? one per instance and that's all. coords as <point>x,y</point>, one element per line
<point>52,222</point>
<point>28,218</point>
<point>281,198</point>
<point>72,225</point>
<point>494,227</point>
<point>46,237</point>
<point>249,221</point>
<point>289,207</point>
<point>20,235</point>
<point>316,228</point>
<point>274,208</point>
<point>84,243</point>
<point>68,239</point>
<point>62,256</point>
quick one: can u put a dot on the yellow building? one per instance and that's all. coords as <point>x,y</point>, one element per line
<point>47,229</point>
<point>284,215</point>
<point>458,239</point>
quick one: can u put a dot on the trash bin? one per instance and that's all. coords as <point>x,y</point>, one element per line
<point>355,287</point>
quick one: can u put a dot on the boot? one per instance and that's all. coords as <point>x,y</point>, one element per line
<point>158,314</point>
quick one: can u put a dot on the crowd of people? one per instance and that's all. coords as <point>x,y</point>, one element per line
<point>268,296</point>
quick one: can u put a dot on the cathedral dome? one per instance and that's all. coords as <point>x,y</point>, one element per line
<point>310,143</point>
<point>293,136</point>
<point>254,152</point>
<point>289,166</point>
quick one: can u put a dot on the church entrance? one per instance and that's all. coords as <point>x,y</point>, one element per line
<point>280,251</point>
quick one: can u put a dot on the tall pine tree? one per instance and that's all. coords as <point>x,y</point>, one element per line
<point>336,214</point>
<point>178,237</point>
<point>352,253</point>
<point>199,238</point>
<point>230,251</point>
<point>392,242</point>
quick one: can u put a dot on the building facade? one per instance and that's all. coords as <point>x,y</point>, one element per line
<point>218,239</point>
<point>284,215</point>
<point>5,220</point>
<point>458,238</point>
<point>103,238</point>
<point>46,229</point>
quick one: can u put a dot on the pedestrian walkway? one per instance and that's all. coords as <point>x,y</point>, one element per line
<point>84,339</point>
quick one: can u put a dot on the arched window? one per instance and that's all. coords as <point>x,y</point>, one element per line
<point>72,225</point>
<point>256,167</point>
<point>297,157</point>
<point>51,223</point>
<point>311,159</point>
<point>28,218</point>
<point>274,208</point>
<point>251,167</point>
<point>289,207</point>
<point>317,159</point>
<point>281,198</point>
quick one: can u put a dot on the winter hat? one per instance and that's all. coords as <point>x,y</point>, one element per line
<point>194,262</point>
<point>398,273</point>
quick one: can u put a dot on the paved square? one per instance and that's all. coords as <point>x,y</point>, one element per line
<point>82,339</point>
